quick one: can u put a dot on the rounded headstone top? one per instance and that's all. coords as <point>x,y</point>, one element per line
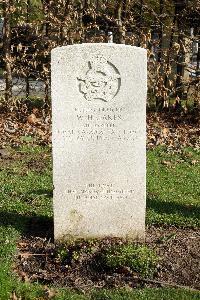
<point>99,45</point>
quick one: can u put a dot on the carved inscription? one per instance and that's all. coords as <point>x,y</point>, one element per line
<point>99,124</point>
<point>99,135</point>
<point>101,82</point>
<point>100,191</point>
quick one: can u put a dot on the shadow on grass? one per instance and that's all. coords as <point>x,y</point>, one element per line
<point>34,225</point>
<point>42,226</point>
<point>171,208</point>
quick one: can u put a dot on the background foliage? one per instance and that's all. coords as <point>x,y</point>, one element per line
<point>168,29</point>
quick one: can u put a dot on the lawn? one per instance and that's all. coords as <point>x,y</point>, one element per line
<point>173,193</point>
<point>173,187</point>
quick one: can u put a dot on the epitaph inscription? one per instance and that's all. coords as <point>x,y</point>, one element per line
<point>99,192</point>
<point>101,81</point>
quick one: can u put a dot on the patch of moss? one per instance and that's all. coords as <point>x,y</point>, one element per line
<point>137,258</point>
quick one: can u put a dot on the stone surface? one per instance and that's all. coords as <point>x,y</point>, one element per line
<point>99,140</point>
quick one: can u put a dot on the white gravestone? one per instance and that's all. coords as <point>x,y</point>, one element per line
<point>99,141</point>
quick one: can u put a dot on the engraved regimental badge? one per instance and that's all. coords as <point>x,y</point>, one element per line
<point>102,80</point>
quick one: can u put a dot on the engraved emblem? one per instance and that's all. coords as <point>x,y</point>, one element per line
<point>102,80</point>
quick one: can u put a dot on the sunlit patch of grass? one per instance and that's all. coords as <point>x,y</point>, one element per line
<point>173,187</point>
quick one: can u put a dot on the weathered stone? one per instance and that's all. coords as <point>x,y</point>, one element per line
<point>99,140</point>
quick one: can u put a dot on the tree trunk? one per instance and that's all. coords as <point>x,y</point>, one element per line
<point>80,22</point>
<point>65,12</point>
<point>170,49</point>
<point>160,31</point>
<point>45,4</point>
<point>198,74</point>
<point>180,67</point>
<point>140,22</point>
<point>120,28</point>
<point>27,69</point>
<point>180,61</point>
<point>198,60</point>
<point>7,48</point>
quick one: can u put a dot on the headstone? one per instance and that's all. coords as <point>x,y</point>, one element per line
<point>99,140</point>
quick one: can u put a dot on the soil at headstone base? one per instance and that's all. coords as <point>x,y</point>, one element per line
<point>40,260</point>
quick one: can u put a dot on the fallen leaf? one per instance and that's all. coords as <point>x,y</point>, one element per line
<point>25,255</point>
<point>24,276</point>
<point>32,119</point>
<point>165,132</point>
<point>166,163</point>
<point>50,293</point>
<point>22,244</point>
<point>14,297</point>
<point>28,254</point>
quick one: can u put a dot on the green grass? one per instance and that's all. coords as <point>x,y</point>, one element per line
<point>147,294</point>
<point>173,188</point>
<point>32,292</point>
<point>138,258</point>
<point>26,194</point>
